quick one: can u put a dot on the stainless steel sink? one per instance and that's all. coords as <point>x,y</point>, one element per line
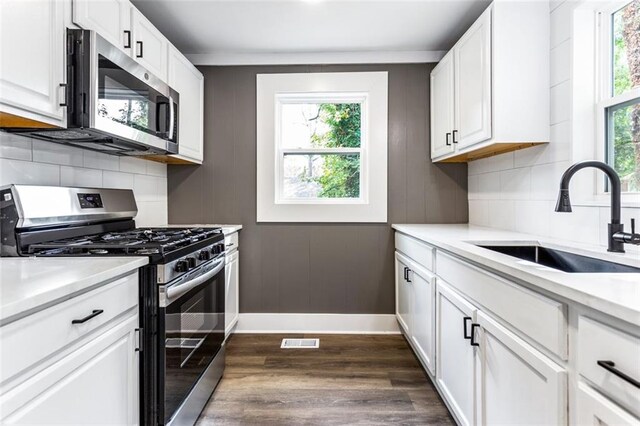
<point>561,260</point>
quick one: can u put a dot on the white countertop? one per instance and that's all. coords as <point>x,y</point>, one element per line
<point>28,284</point>
<point>617,294</point>
<point>226,229</point>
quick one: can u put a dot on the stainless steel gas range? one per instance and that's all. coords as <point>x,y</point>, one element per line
<point>181,290</point>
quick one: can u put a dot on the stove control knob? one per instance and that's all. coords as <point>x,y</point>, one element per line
<point>204,255</point>
<point>191,261</point>
<point>215,250</point>
<point>181,266</point>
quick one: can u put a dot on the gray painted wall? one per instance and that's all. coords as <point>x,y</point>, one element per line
<point>314,268</point>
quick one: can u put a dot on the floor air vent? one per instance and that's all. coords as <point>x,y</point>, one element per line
<point>300,344</point>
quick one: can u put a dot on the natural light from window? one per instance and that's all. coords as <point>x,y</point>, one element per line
<point>622,109</point>
<point>320,149</point>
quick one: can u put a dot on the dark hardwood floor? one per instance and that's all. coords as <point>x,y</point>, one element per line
<point>349,380</point>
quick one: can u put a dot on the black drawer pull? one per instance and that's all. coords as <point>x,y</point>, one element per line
<point>140,45</point>
<point>465,328</point>
<point>610,366</point>
<point>473,335</point>
<point>454,136</point>
<point>446,139</point>
<point>127,44</point>
<point>93,314</point>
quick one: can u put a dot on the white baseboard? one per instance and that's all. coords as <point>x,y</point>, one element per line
<point>318,323</point>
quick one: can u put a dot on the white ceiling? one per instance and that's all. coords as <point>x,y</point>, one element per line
<point>242,28</point>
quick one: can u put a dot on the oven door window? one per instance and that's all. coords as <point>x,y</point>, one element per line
<point>127,100</point>
<point>194,332</point>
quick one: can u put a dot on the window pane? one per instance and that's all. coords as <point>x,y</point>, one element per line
<point>626,48</point>
<point>320,125</point>
<point>321,176</point>
<point>624,143</point>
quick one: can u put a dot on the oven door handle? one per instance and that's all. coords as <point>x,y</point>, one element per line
<point>176,291</point>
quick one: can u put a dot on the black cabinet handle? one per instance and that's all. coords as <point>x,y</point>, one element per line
<point>454,136</point>
<point>408,271</point>
<point>93,314</point>
<point>404,272</point>
<point>127,44</point>
<point>64,102</point>
<point>465,320</point>
<point>447,139</point>
<point>140,51</point>
<point>473,335</point>
<point>610,366</point>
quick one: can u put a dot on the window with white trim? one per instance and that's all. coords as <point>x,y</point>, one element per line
<point>619,105</point>
<point>322,147</point>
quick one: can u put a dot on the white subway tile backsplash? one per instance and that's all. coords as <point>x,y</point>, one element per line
<point>545,180</point>
<point>489,186</point>
<point>133,165</point>
<point>473,189</point>
<point>561,63</point>
<point>156,169</point>
<point>15,147</point>
<point>581,225</point>
<point>561,23</point>
<point>515,184</point>
<point>479,212</point>
<point>77,176</point>
<point>98,160</point>
<point>491,164</point>
<point>560,102</point>
<point>502,214</point>
<point>27,161</point>
<point>53,153</point>
<point>26,172</point>
<point>151,213</point>
<point>118,180</point>
<point>533,216</point>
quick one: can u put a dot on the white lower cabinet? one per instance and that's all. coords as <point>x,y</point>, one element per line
<point>422,330</point>
<point>404,294</point>
<point>455,368</point>
<point>516,383</point>
<point>231,291</point>
<point>95,384</point>
<point>595,409</point>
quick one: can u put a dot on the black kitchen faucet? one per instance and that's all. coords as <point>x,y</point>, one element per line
<point>616,235</point>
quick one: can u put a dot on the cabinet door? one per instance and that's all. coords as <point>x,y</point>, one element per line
<point>455,366</point>
<point>150,47</point>
<point>473,83</point>
<point>97,383</point>
<point>517,384</point>
<point>32,42</point>
<point>423,332</point>
<point>109,18</point>
<point>231,292</point>
<point>189,82</point>
<point>404,295</point>
<point>595,409</point>
<point>442,96</point>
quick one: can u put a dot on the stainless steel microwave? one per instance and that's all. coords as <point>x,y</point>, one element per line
<point>114,104</point>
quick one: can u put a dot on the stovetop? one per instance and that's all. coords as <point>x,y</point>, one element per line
<point>138,242</point>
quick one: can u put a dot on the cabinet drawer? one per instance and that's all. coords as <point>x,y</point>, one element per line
<point>231,241</point>
<point>539,318</point>
<point>416,250</point>
<point>600,342</point>
<point>595,409</point>
<point>31,339</point>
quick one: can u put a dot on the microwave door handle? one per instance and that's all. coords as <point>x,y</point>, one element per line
<point>175,291</point>
<point>172,121</point>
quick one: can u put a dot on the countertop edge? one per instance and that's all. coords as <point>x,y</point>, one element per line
<point>35,303</point>
<point>585,298</point>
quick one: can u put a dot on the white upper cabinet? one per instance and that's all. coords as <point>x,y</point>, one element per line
<point>472,100</point>
<point>442,107</point>
<point>189,83</point>
<point>500,94</point>
<point>32,44</point>
<point>109,18</point>
<point>150,47</point>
